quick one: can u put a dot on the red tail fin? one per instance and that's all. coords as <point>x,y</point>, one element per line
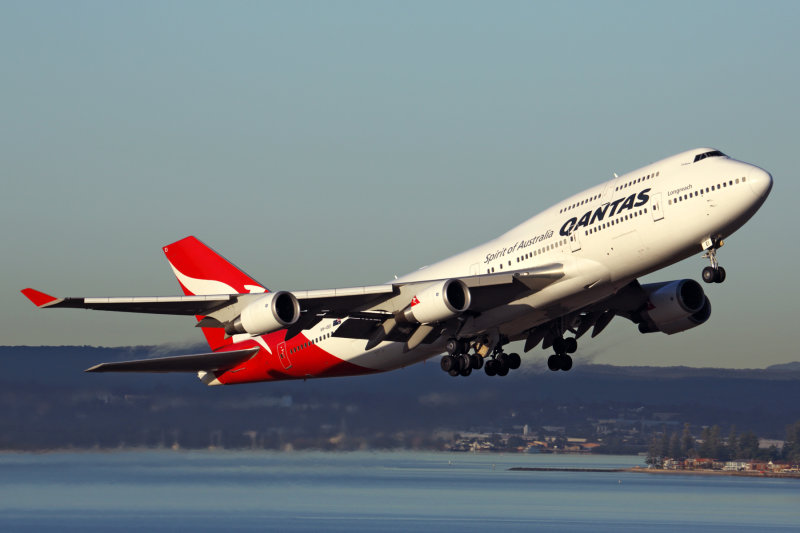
<point>200,270</point>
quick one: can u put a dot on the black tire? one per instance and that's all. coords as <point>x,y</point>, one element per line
<point>490,367</point>
<point>553,363</point>
<point>454,372</point>
<point>559,345</point>
<point>466,371</point>
<point>476,361</point>
<point>464,362</point>
<point>502,370</point>
<point>502,358</point>
<point>566,363</point>
<point>514,361</point>
<point>571,345</point>
<point>462,346</point>
<point>709,275</point>
<point>720,275</point>
<point>447,363</point>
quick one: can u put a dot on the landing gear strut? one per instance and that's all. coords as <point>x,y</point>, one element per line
<point>713,273</point>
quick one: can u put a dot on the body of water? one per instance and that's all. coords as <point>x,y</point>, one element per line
<point>374,491</point>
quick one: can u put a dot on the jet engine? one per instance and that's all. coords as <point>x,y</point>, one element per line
<point>439,301</point>
<point>271,312</point>
<point>674,306</point>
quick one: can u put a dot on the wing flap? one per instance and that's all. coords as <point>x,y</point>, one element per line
<point>207,362</point>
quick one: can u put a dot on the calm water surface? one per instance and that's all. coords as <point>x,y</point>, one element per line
<point>366,491</point>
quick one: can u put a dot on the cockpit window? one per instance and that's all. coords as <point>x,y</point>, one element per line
<point>714,153</point>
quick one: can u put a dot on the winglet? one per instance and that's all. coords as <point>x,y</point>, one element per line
<point>38,298</point>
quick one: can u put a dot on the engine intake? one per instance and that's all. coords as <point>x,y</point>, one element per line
<point>439,301</point>
<point>675,306</point>
<point>269,313</point>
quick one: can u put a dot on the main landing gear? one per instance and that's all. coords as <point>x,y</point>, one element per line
<point>713,273</point>
<point>458,362</point>
<point>560,360</point>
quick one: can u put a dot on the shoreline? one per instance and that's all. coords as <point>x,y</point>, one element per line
<point>640,470</point>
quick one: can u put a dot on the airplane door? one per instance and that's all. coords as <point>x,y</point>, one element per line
<point>656,207</point>
<point>574,241</point>
<point>283,356</point>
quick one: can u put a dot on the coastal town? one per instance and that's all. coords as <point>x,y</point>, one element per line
<point>737,454</point>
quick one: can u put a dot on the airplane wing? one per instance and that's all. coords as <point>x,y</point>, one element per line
<point>164,305</point>
<point>372,303</point>
<point>180,363</point>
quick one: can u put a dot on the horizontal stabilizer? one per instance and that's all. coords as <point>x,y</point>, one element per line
<point>207,362</point>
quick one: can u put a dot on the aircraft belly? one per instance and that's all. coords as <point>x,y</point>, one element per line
<point>590,282</point>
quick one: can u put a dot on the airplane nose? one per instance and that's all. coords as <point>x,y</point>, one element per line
<point>760,181</point>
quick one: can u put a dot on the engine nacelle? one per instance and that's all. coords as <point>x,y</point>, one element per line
<point>439,301</point>
<point>271,312</point>
<point>675,306</point>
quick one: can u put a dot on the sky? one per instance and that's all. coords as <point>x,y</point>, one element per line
<point>329,144</point>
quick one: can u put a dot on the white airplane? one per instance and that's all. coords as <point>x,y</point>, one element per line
<point>548,281</point>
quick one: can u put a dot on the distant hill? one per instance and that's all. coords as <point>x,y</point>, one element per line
<point>785,367</point>
<point>48,401</point>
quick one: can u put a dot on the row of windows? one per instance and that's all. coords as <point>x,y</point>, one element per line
<point>578,204</point>
<point>309,343</point>
<point>618,188</point>
<point>619,219</point>
<point>534,253</point>
<point>643,178</point>
<point>707,189</point>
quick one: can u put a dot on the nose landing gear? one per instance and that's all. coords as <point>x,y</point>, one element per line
<point>713,273</point>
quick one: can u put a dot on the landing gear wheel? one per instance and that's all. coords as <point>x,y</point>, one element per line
<point>513,361</point>
<point>570,345</point>
<point>553,363</point>
<point>451,347</point>
<point>560,345</point>
<point>466,371</point>
<point>476,361</point>
<point>566,362</point>
<point>448,363</point>
<point>709,275</point>
<point>502,370</point>
<point>491,367</point>
<point>720,275</point>
<point>454,372</point>
<point>464,362</point>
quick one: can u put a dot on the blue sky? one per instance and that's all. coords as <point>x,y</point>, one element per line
<point>322,144</point>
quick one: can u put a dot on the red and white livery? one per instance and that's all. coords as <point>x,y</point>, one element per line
<point>568,270</point>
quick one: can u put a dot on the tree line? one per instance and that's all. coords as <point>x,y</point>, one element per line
<point>712,445</point>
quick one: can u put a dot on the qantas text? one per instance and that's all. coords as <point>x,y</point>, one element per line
<point>617,206</point>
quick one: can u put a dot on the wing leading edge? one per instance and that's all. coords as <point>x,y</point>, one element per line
<point>368,305</point>
<point>206,362</point>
